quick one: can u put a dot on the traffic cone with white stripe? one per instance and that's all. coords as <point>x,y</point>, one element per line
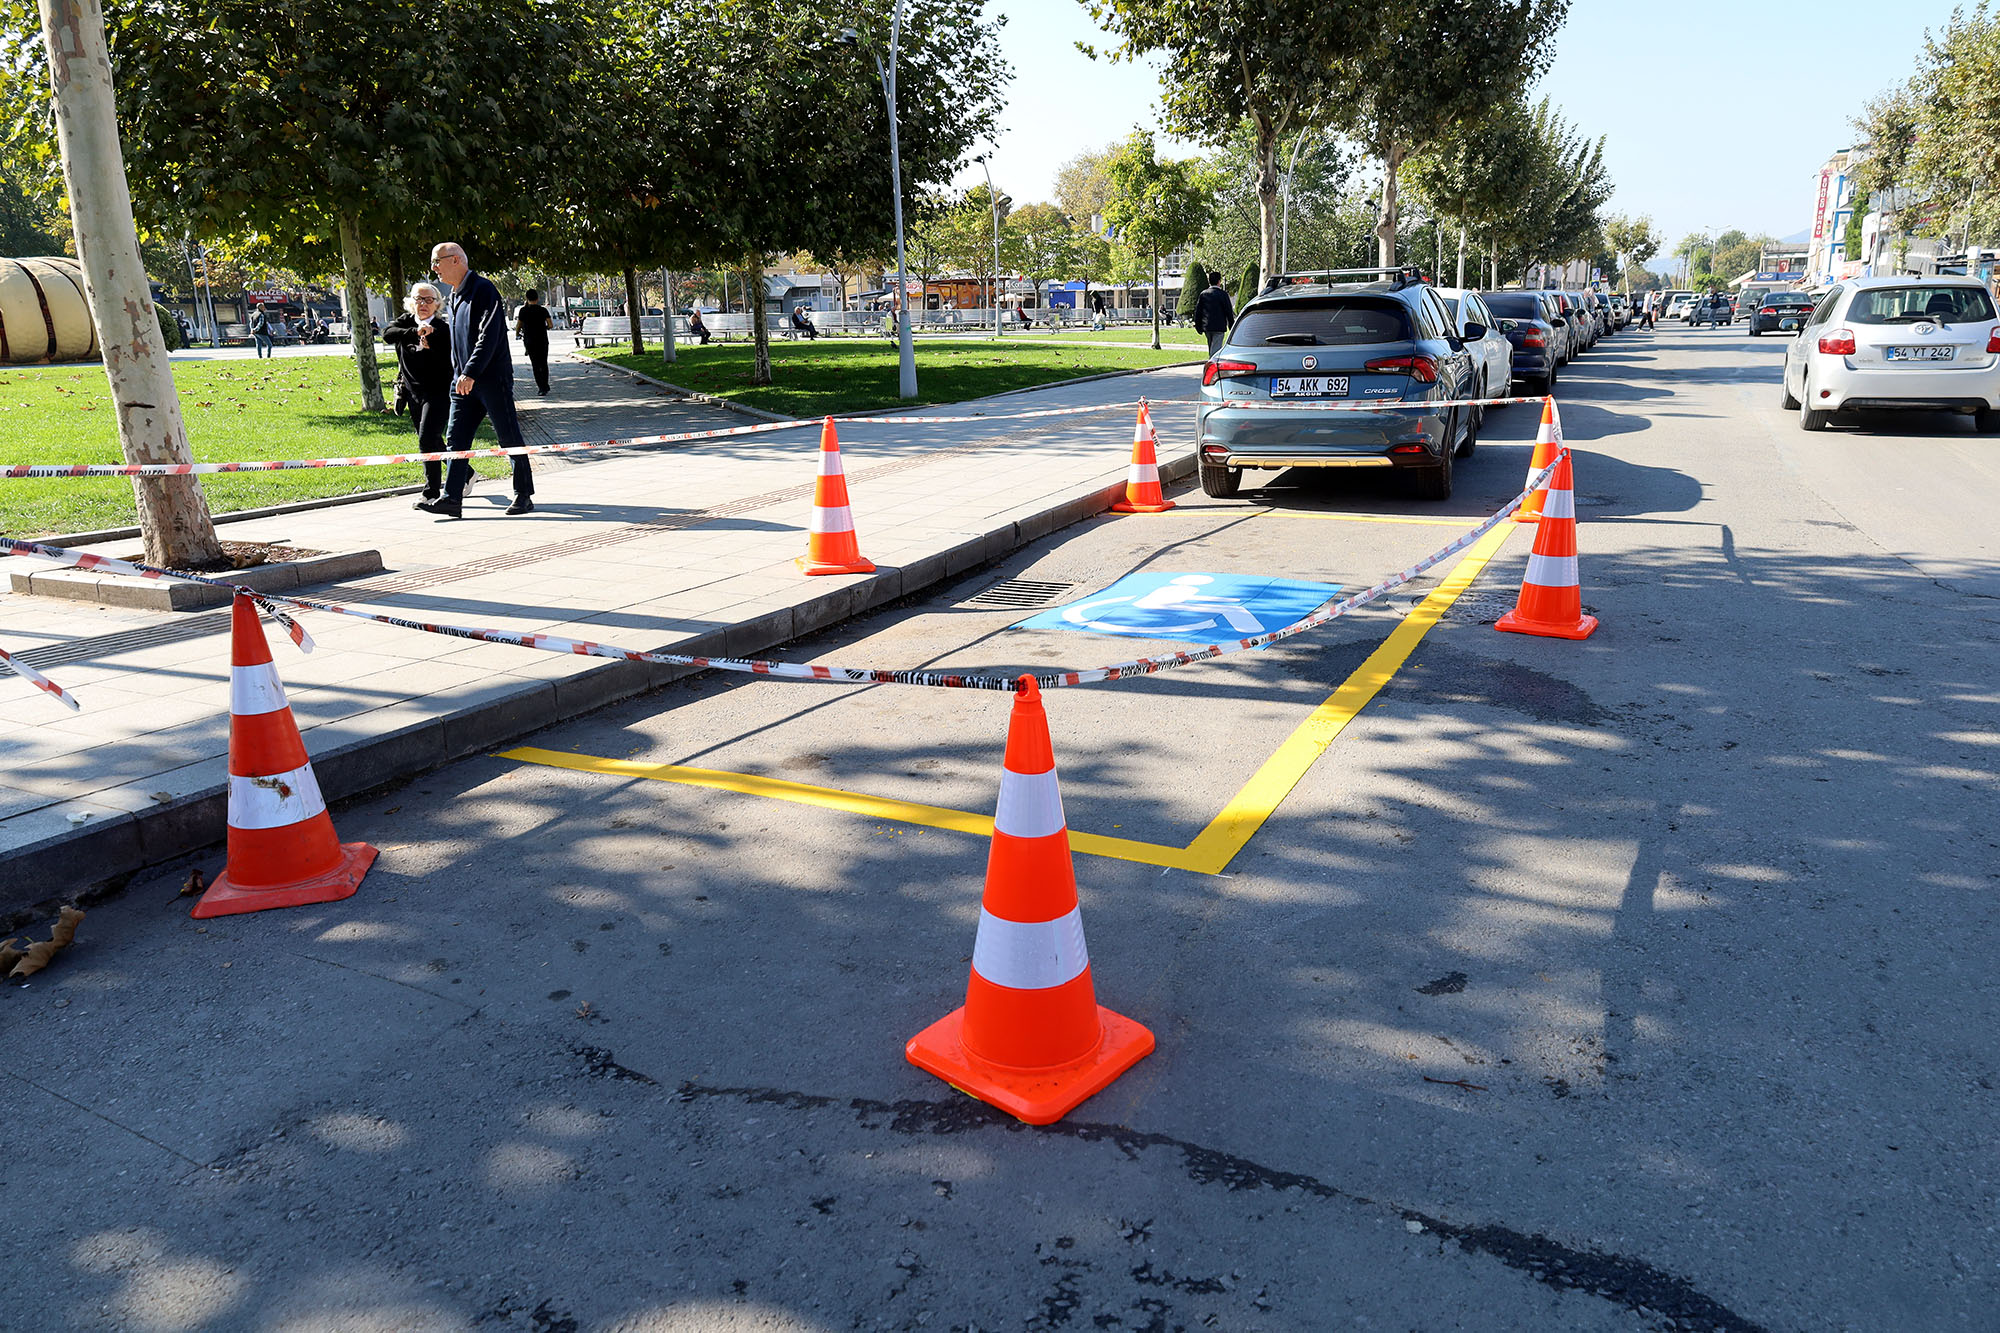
<point>1031,1038</point>
<point>1142,480</point>
<point>831,548</point>
<point>1548,439</point>
<point>1551,601</point>
<point>282,848</point>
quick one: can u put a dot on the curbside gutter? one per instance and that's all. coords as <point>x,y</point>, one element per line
<point>81,860</point>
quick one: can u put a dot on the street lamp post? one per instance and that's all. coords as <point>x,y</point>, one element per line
<point>993,198</point>
<point>907,353</point>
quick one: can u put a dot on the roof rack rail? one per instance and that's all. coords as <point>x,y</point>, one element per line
<point>1400,274</point>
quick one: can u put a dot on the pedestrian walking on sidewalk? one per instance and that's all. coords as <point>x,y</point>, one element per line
<point>1212,314</point>
<point>1646,314</point>
<point>422,340</point>
<point>483,381</point>
<point>532,322</point>
<point>260,333</point>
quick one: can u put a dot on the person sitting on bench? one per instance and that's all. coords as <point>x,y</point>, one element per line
<point>802,323</point>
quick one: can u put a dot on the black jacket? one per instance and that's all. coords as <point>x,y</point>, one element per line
<point>479,333</point>
<point>532,322</point>
<point>1212,311</point>
<point>426,370</point>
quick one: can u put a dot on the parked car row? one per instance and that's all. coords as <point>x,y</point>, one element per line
<point>1388,336</point>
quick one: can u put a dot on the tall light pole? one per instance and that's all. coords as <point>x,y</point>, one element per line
<point>993,198</point>
<point>907,387</point>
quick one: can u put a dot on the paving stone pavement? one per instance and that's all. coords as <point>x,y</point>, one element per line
<point>687,548</point>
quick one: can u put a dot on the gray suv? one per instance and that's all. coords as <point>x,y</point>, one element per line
<point>1321,337</point>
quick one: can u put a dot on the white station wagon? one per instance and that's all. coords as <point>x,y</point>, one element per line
<point>1921,344</point>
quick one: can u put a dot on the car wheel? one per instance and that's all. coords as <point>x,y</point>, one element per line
<point>1809,417</point>
<point>1474,420</point>
<point>1433,482</point>
<point>1987,421</point>
<point>1791,403</point>
<point>1753,328</point>
<point>1220,483</point>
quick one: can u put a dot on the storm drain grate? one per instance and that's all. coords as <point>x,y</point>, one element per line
<point>178,630</point>
<point>1017,595</point>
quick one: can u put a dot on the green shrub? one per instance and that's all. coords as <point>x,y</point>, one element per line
<point>1192,283</point>
<point>170,332</point>
<point>1248,288</point>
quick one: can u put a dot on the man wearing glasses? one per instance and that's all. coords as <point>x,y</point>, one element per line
<point>483,381</point>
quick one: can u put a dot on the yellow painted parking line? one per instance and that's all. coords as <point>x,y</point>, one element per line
<point>1211,851</point>
<point>1246,812</point>
<point>832,798</point>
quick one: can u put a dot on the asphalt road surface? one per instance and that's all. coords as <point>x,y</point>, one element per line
<point>1641,982</point>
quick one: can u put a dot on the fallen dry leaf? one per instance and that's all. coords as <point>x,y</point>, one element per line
<point>40,953</point>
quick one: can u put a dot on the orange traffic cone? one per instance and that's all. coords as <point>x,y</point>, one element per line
<point>1142,481</point>
<point>1551,601</point>
<point>1547,440</point>
<point>831,547</point>
<point>1031,1039</point>
<point>282,848</point>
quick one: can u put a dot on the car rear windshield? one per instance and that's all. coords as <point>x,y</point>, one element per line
<point>1513,305</point>
<point>1333,321</point>
<point>1907,305</point>
<point>1787,298</point>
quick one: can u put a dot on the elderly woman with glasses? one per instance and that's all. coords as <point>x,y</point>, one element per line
<point>421,336</point>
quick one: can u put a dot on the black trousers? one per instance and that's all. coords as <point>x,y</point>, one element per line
<point>467,411</point>
<point>538,358</point>
<point>431,411</point>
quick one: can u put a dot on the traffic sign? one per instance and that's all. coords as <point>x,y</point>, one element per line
<point>1188,608</point>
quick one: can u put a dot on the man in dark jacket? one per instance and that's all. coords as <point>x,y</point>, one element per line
<point>483,381</point>
<point>1212,314</point>
<point>532,322</point>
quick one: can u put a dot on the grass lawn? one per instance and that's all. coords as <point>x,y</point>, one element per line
<point>287,407</point>
<point>1177,335</point>
<point>827,378</point>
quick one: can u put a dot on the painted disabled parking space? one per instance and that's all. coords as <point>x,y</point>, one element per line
<point>1188,608</point>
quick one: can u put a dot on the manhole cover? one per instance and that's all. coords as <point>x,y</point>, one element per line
<point>1018,594</point>
<point>1480,608</point>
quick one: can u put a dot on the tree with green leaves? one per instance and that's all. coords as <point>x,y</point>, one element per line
<point>341,120</point>
<point>1035,241</point>
<point>1280,66</point>
<point>1156,204</point>
<point>1440,63</point>
<point>173,513</point>
<point>1081,185</point>
<point>1192,283</point>
<point>1632,240</point>
<point>792,152</point>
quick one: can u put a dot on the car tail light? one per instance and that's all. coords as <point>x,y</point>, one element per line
<point>1993,340</point>
<point>1215,370</point>
<point>1534,338</point>
<point>1419,368</point>
<point>1840,342</point>
<point>1767,310</point>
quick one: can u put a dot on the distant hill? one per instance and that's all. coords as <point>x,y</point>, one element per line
<point>1796,238</point>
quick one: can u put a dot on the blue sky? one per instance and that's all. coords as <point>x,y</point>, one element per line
<point>1697,152</point>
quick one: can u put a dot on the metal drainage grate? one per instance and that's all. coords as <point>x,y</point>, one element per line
<point>1017,595</point>
<point>178,630</point>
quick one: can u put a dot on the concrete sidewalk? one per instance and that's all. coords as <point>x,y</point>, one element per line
<point>685,548</point>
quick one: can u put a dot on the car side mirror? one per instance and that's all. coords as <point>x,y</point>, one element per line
<point>1474,331</point>
<point>1509,325</point>
<point>1558,321</point>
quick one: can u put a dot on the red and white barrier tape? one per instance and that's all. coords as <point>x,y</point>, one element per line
<point>24,471</point>
<point>39,681</point>
<point>807,671</point>
<point>1345,404</point>
<point>29,470</point>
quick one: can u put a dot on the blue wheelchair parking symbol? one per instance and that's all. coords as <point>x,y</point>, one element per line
<point>1188,608</point>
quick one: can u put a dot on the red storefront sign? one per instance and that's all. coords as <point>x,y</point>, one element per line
<point>1819,210</point>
